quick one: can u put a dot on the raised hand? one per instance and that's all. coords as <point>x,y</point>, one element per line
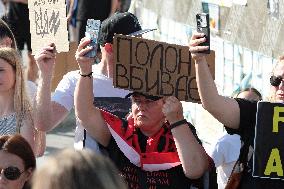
<point>45,60</point>
<point>194,47</point>
<point>172,109</point>
<point>85,63</point>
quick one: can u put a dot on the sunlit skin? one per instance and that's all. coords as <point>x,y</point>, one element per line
<point>147,114</point>
<point>6,160</point>
<point>7,77</point>
<point>279,91</point>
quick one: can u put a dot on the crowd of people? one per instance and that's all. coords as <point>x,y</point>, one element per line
<point>124,139</point>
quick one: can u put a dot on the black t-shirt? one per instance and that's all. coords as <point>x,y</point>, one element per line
<point>18,13</point>
<point>247,130</point>
<point>95,9</point>
<point>137,178</point>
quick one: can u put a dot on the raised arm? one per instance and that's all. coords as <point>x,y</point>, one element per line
<point>191,154</point>
<point>225,109</point>
<point>88,115</point>
<point>47,113</point>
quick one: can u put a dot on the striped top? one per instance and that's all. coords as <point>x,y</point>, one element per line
<point>8,125</point>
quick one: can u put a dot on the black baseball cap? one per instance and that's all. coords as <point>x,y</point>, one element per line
<point>151,97</point>
<point>119,23</point>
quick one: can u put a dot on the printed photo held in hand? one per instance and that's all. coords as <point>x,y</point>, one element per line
<point>245,118</point>
<point>17,162</point>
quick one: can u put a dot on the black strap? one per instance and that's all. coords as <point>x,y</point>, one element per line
<point>243,157</point>
<point>84,139</point>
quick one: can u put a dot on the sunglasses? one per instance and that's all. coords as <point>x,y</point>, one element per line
<point>11,173</point>
<point>275,80</point>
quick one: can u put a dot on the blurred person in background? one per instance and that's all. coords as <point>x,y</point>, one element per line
<point>98,10</point>
<point>83,169</point>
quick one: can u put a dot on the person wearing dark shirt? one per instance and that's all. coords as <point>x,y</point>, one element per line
<point>98,10</point>
<point>239,115</point>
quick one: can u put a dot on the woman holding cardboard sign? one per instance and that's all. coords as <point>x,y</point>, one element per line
<point>239,116</point>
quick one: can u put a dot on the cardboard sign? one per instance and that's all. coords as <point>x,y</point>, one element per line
<point>269,144</point>
<point>156,68</point>
<point>48,23</point>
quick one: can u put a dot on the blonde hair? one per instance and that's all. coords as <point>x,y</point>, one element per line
<point>280,61</point>
<point>70,169</point>
<point>22,105</point>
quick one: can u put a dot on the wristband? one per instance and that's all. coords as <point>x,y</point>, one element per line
<point>86,75</point>
<point>178,123</point>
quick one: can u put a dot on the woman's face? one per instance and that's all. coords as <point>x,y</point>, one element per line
<point>11,160</point>
<point>278,91</point>
<point>147,114</point>
<point>7,76</point>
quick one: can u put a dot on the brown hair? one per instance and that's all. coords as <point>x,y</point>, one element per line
<point>17,145</point>
<point>250,89</point>
<point>21,102</point>
<point>5,31</point>
<point>82,169</point>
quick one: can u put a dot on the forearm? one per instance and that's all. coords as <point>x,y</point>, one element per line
<point>43,105</point>
<point>28,132</point>
<point>192,155</point>
<point>88,115</point>
<point>206,86</point>
<point>214,103</point>
<point>83,98</point>
<point>40,143</point>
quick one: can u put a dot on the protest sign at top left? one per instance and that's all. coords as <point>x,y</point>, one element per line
<point>48,24</point>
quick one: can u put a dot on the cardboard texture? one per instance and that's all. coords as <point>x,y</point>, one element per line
<point>65,62</point>
<point>156,68</point>
<point>48,23</point>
